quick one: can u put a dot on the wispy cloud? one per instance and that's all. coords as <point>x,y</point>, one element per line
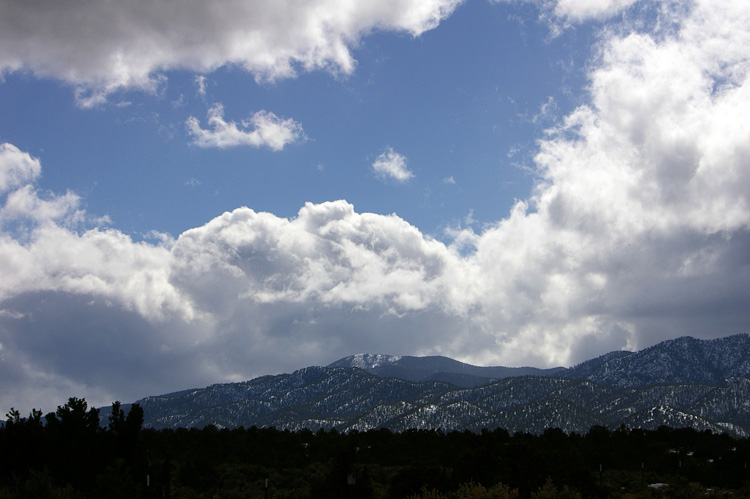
<point>391,164</point>
<point>580,10</point>
<point>200,84</point>
<point>262,129</point>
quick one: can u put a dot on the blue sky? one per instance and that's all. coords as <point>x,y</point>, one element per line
<point>199,195</point>
<point>463,102</point>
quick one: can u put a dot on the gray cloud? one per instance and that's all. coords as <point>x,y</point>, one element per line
<point>101,47</point>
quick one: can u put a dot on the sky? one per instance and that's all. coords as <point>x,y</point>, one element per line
<point>209,192</point>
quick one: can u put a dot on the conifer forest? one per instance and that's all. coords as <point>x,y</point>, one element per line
<point>70,453</point>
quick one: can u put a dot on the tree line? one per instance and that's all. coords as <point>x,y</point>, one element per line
<point>70,453</point>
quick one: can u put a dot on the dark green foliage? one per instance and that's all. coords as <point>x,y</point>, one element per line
<point>67,454</point>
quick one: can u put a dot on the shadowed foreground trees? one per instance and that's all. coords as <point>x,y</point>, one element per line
<point>70,454</point>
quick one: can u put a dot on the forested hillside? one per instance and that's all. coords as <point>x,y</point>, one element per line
<point>701,384</point>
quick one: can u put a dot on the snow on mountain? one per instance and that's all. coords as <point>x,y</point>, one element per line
<point>682,360</point>
<point>684,382</point>
<point>366,361</point>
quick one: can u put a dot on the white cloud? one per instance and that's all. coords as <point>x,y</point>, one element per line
<point>16,167</point>
<point>26,202</point>
<point>328,254</point>
<point>101,47</point>
<point>449,180</point>
<point>262,129</point>
<point>638,214</point>
<point>391,164</point>
<point>546,112</point>
<point>579,10</point>
<point>200,82</point>
<point>561,14</point>
<point>78,300</point>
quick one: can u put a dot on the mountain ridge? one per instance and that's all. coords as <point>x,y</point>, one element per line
<point>660,385</point>
<point>688,360</point>
<point>436,367</point>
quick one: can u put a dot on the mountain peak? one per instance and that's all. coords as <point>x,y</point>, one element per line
<point>366,361</point>
<point>436,368</point>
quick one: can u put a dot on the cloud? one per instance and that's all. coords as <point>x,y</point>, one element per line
<point>241,296</point>
<point>637,230</point>
<point>262,129</point>
<point>200,83</point>
<point>562,14</point>
<point>391,164</point>
<point>580,10</point>
<point>546,112</point>
<point>77,299</point>
<point>101,47</point>
<point>16,167</point>
<point>449,180</point>
<point>637,222</point>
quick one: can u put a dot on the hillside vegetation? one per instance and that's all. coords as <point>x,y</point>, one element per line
<point>69,454</point>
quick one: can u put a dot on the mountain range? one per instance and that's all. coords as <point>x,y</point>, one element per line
<point>685,382</point>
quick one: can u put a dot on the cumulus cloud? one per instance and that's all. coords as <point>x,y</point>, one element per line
<point>262,129</point>
<point>637,230</point>
<point>391,164</point>
<point>100,47</point>
<point>16,167</point>
<point>638,221</point>
<point>241,296</point>
<point>80,302</point>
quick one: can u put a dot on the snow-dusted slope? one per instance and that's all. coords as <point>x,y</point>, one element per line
<point>682,360</point>
<point>436,368</point>
<point>677,383</point>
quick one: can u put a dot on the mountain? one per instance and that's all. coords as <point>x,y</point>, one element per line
<point>436,368</point>
<point>682,360</point>
<point>685,382</point>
